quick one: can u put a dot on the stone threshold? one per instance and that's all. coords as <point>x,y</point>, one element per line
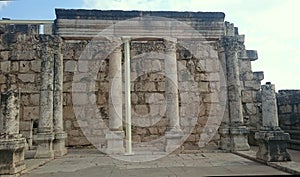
<point>289,167</point>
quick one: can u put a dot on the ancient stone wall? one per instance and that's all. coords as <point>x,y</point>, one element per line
<point>251,95</point>
<point>20,68</point>
<point>199,84</point>
<point>148,92</point>
<point>288,102</point>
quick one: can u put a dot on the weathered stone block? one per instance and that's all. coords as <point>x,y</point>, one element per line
<point>255,85</point>
<point>14,66</point>
<point>12,156</point>
<point>258,76</point>
<point>5,66</point>
<point>27,78</point>
<point>35,65</point>
<point>244,66</point>
<point>272,146</point>
<point>34,99</point>
<point>70,66</point>
<point>5,55</point>
<point>2,79</point>
<point>25,100</point>
<point>31,112</point>
<point>68,112</point>
<point>24,66</point>
<point>22,54</point>
<point>247,96</point>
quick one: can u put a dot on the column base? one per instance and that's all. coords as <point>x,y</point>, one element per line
<point>59,144</point>
<point>225,141</point>
<point>115,142</point>
<point>173,139</point>
<point>44,146</point>
<point>12,156</point>
<point>272,146</point>
<point>234,138</point>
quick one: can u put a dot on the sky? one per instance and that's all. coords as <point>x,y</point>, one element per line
<point>272,27</point>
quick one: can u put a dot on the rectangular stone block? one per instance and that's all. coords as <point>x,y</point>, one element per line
<point>5,66</point>
<point>29,88</point>
<point>247,96</point>
<point>15,66</point>
<point>258,76</point>
<point>31,112</point>
<point>22,54</point>
<point>244,66</point>
<point>255,85</point>
<point>35,65</point>
<point>68,112</point>
<point>70,66</point>
<point>26,77</point>
<point>2,79</point>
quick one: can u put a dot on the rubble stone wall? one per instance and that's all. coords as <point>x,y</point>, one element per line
<point>288,102</point>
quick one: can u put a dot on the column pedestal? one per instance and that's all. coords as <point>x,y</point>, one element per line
<point>272,145</point>
<point>225,141</point>
<point>12,156</point>
<point>234,138</point>
<point>272,141</point>
<point>12,145</point>
<point>239,138</point>
<point>59,144</point>
<point>44,148</point>
<point>173,139</point>
<point>115,142</point>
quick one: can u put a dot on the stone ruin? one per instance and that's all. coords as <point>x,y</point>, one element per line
<point>192,86</point>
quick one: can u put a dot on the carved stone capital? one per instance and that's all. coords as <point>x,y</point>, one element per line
<point>170,45</point>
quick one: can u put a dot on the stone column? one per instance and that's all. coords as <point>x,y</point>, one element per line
<point>272,140</point>
<point>237,132</point>
<point>45,134</point>
<point>115,135</point>
<point>60,136</point>
<point>174,132</point>
<point>225,142</point>
<point>12,144</point>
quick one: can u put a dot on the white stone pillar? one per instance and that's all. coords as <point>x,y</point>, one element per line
<point>272,141</point>
<point>115,136</point>
<point>60,136</point>
<point>174,132</point>
<point>237,132</point>
<point>45,134</point>
<point>269,105</point>
<point>12,144</point>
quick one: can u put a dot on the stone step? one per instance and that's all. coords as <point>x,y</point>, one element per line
<point>294,144</point>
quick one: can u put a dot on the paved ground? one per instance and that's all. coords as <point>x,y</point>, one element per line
<point>89,162</point>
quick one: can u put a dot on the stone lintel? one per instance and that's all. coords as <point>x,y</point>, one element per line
<point>123,15</point>
<point>272,146</point>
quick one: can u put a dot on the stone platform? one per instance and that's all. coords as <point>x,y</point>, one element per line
<point>91,162</point>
